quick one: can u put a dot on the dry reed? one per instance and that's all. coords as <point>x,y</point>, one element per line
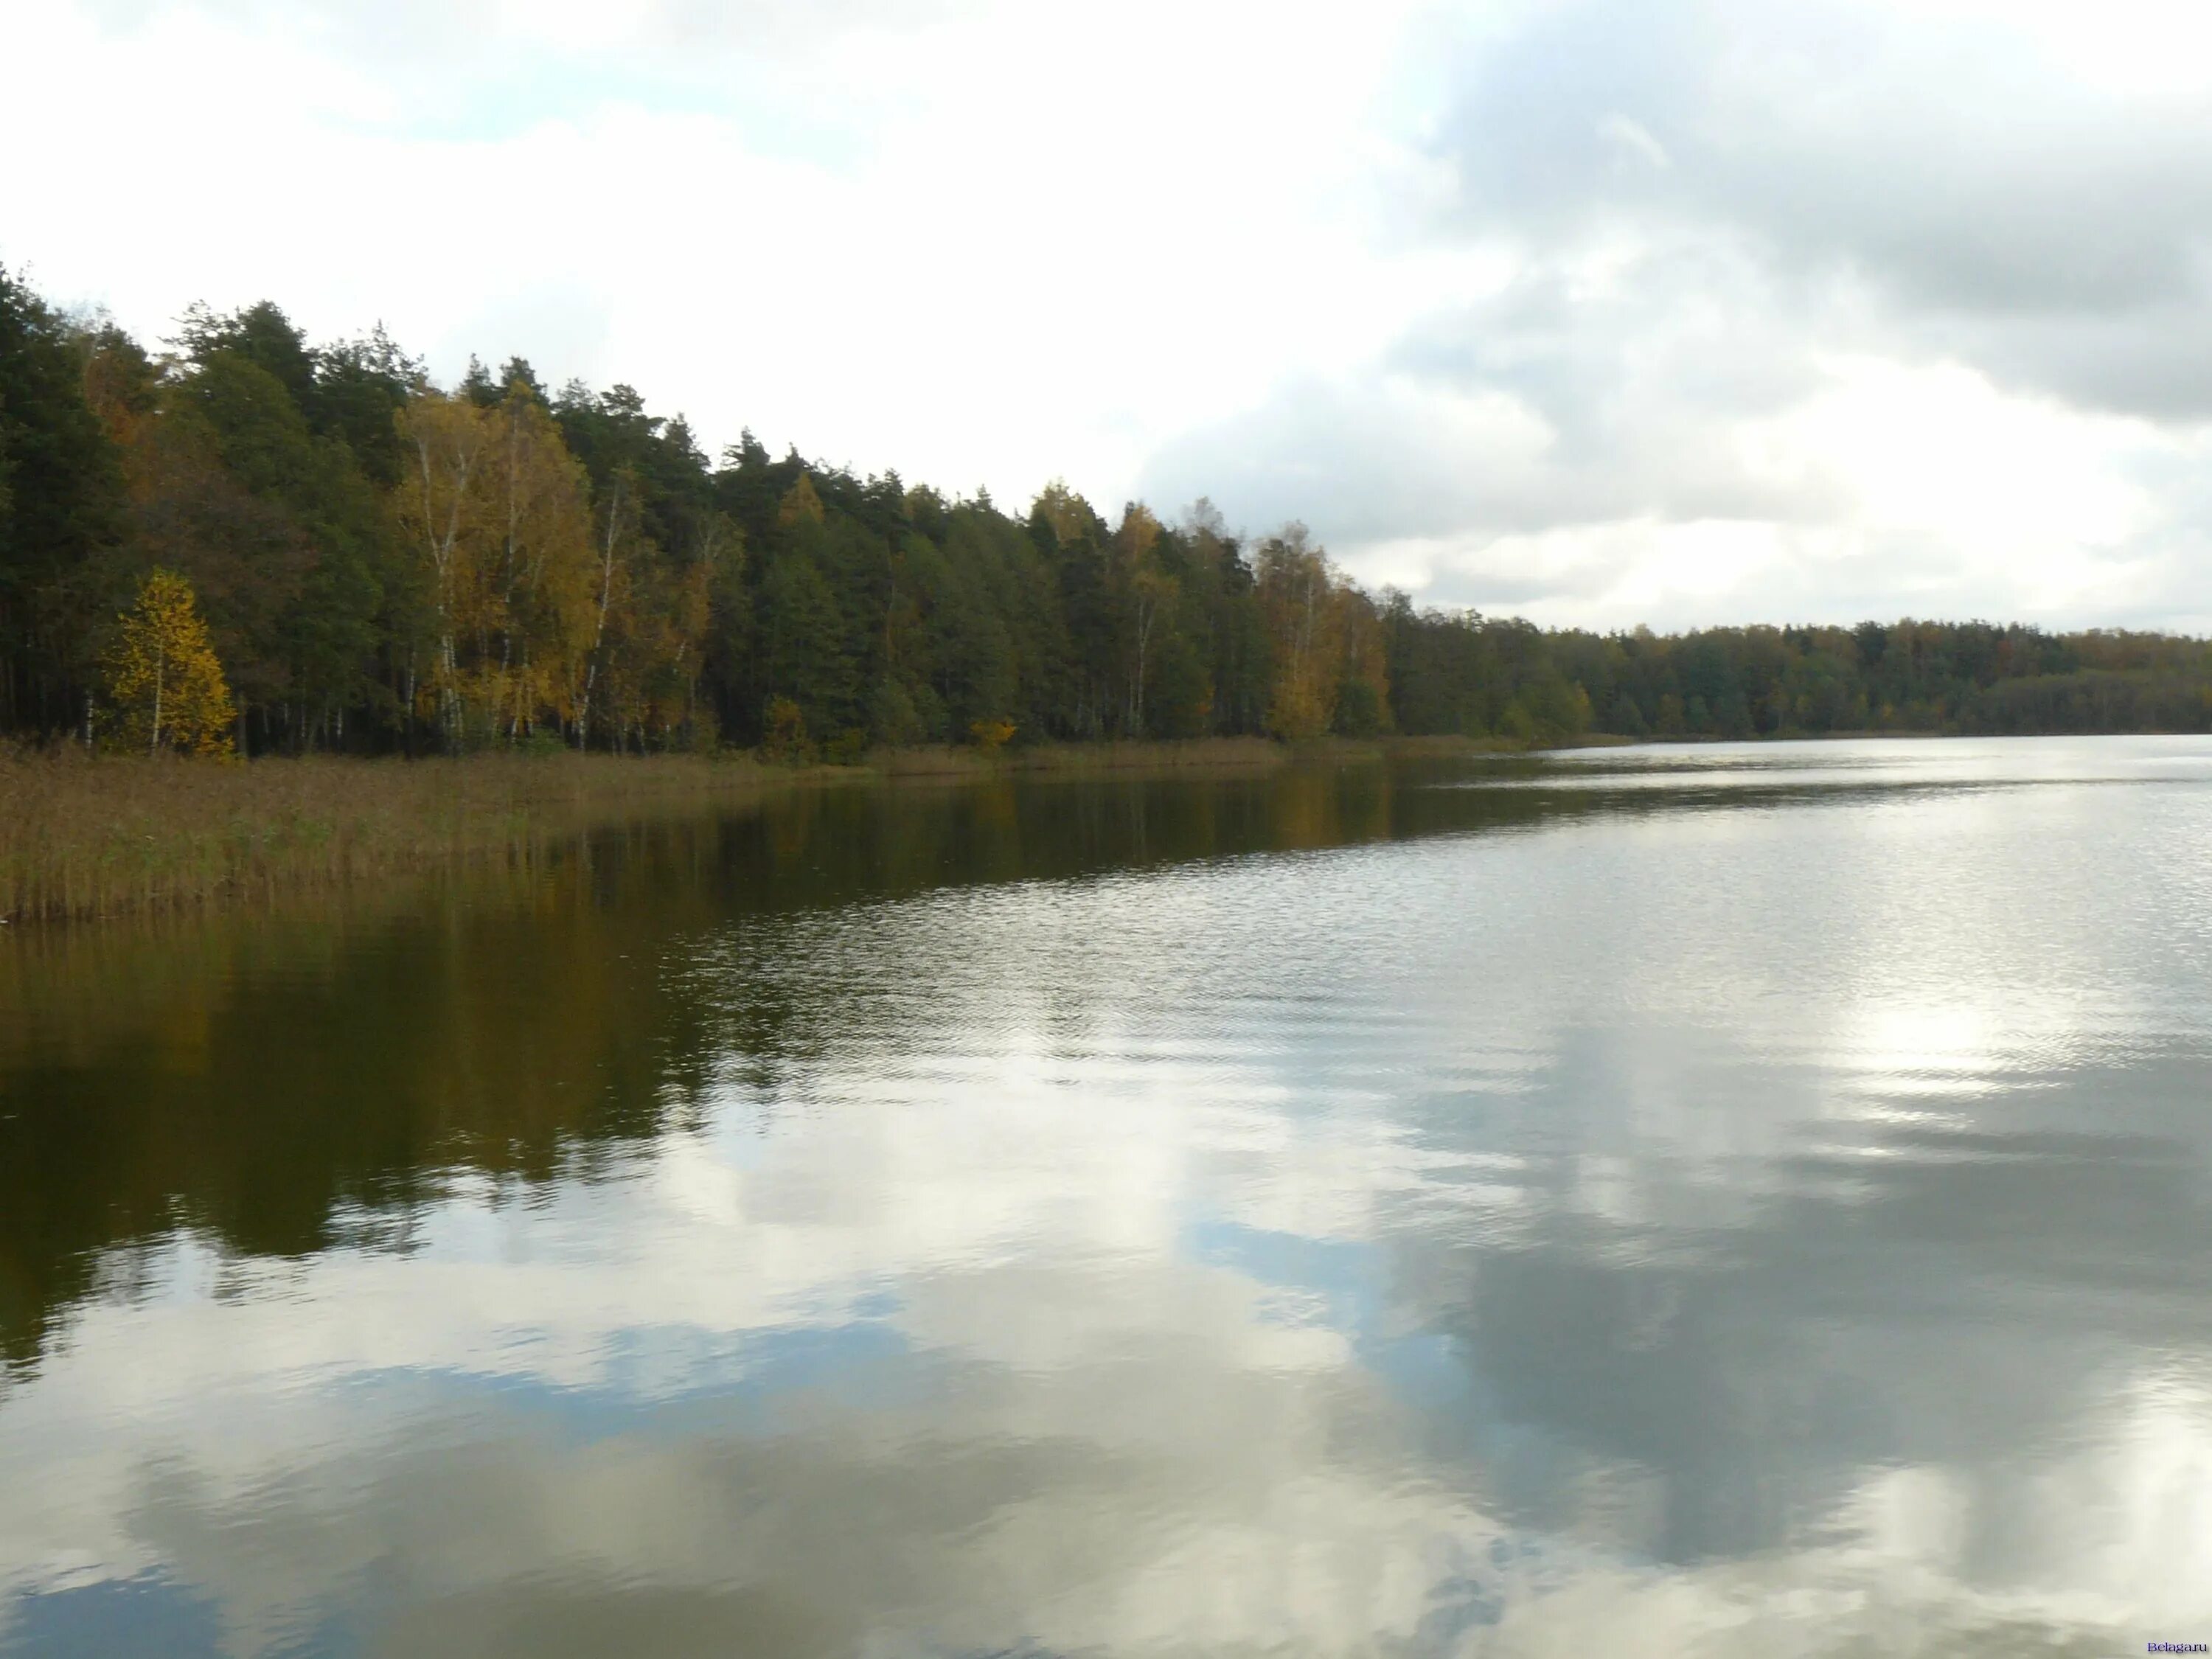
<point>84,836</point>
<point>89,837</point>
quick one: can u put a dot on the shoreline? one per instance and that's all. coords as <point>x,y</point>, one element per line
<point>85,838</point>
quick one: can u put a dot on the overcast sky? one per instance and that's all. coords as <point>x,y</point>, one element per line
<point>1600,311</point>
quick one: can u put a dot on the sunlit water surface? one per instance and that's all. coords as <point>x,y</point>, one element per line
<point>1731,1200</point>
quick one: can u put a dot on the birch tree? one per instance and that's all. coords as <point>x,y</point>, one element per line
<point>540,596</point>
<point>439,506</point>
<point>163,678</point>
<point>1293,581</point>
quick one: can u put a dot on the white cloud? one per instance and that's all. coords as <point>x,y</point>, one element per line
<point>1573,306</point>
<point>994,245</point>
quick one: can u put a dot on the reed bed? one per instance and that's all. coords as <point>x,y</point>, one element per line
<point>86,835</point>
<point>83,837</point>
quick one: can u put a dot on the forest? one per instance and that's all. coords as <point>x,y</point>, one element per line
<point>247,540</point>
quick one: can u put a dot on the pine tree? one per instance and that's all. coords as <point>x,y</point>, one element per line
<point>62,512</point>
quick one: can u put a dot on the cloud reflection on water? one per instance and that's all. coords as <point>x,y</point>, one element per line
<point>1774,1232</point>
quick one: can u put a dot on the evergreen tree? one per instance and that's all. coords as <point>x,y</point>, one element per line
<point>62,516</point>
<point>379,564</point>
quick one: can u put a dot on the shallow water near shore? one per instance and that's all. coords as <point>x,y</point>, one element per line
<point>1722,1200</point>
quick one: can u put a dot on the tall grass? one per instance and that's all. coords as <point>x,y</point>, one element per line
<point>84,836</point>
<point>89,837</point>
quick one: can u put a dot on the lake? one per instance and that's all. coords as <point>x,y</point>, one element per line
<point>1728,1200</point>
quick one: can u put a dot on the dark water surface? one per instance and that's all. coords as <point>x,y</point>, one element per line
<point>1716,1200</point>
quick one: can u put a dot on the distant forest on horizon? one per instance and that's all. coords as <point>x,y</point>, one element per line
<point>385,565</point>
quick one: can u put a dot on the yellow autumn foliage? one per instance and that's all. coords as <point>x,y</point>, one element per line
<point>991,734</point>
<point>163,679</point>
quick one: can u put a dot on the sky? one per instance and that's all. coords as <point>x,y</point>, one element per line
<point>1595,311</point>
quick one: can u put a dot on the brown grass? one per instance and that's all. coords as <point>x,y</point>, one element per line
<point>84,837</point>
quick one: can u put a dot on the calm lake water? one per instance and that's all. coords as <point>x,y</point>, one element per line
<point>1728,1201</point>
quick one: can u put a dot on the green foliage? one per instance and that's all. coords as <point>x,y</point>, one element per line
<point>1358,710</point>
<point>774,600</point>
<point>803,651</point>
<point>62,514</point>
<point>279,523</point>
<point>893,717</point>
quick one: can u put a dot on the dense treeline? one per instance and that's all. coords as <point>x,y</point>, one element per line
<point>385,564</point>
